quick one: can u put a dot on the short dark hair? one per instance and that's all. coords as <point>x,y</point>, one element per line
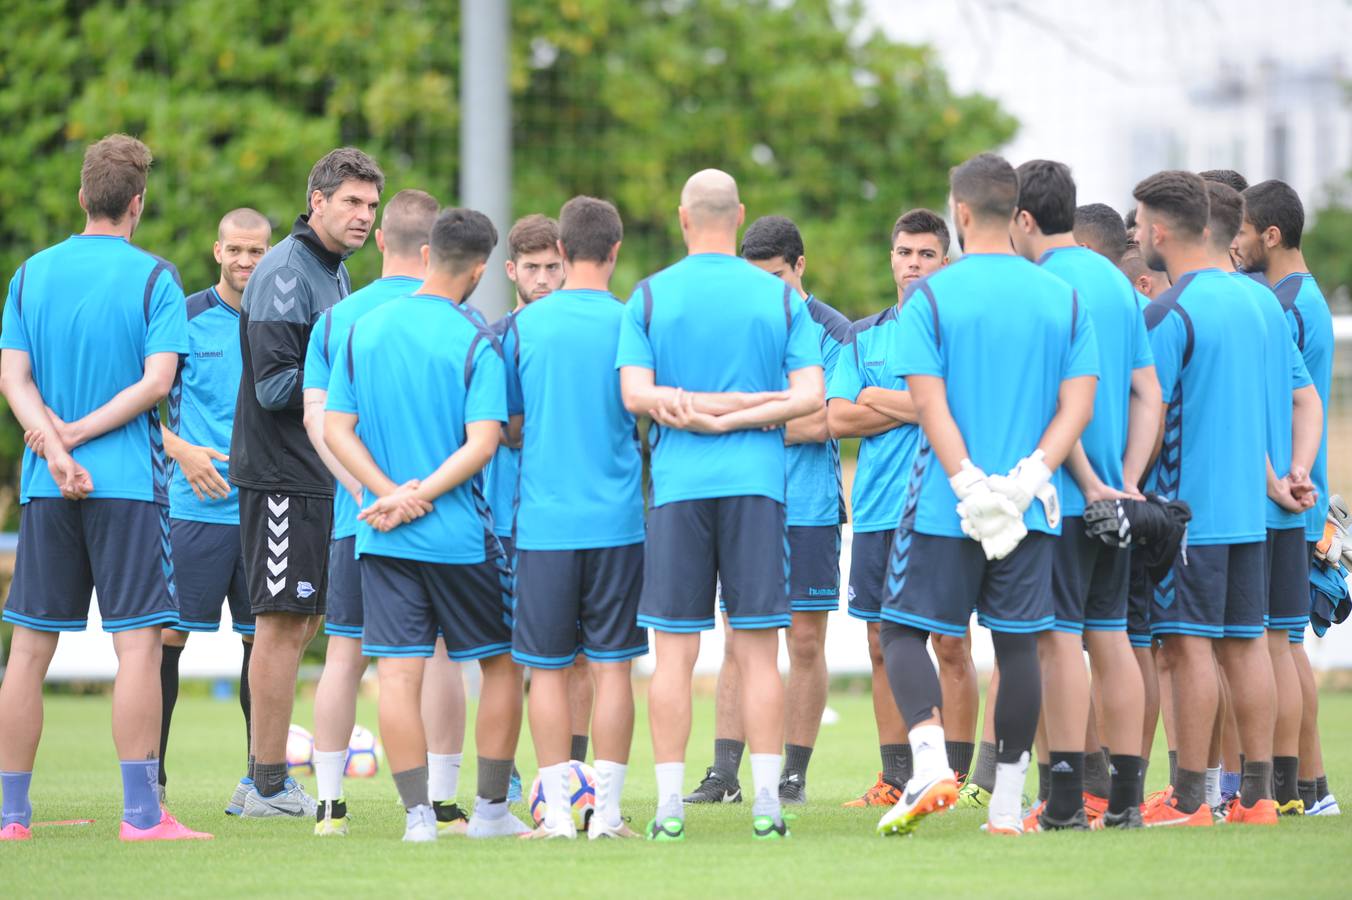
<point>406,223</point>
<point>1180,196</point>
<point>1274,202</point>
<point>1098,226</point>
<point>589,228</point>
<point>1227,212</point>
<point>113,173</point>
<point>922,221</point>
<point>1047,193</point>
<point>1226,176</point>
<point>1130,219</point>
<point>531,234</point>
<point>337,166</point>
<point>988,184</point>
<point>461,239</point>
<point>773,236</point>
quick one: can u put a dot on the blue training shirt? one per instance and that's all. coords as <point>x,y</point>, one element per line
<point>202,403</point>
<point>415,371</point>
<point>320,356</point>
<point>816,495</point>
<point>1123,347</point>
<point>1311,324</point>
<point>502,471</point>
<point>581,471</point>
<point>714,322</point>
<point>1210,348</point>
<point>1003,334</point>
<point>88,311</point>
<point>885,459</point>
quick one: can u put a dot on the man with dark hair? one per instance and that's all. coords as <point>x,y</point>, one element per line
<point>704,349</point>
<point>286,492</point>
<point>1148,282</point>
<point>1269,242</point>
<point>1228,177</point>
<point>95,514</point>
<point>1206,336</point>
<point>867,398</point>
<point>203,507</point>
<point>1101,229</point>
<point>815,509</point>
<point>967,540</point>
<point>1089,579</point>
<point>579,524</point>
<point>425,545</point>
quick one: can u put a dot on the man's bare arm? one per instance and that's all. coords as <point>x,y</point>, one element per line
<point>642,394</point>
<point>1074,409</point>
<point>340,436</point>
<point>930,394</point>
<point>1307,427</point>
<point>315,398</point>
<point>848,419</point>
<point>806,394</point>
<point>896,405</point>
<point>1145,415</point>
<point>809,429</point>
<point>156,381</point>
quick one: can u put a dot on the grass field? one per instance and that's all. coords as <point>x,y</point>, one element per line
<point>833,851</point>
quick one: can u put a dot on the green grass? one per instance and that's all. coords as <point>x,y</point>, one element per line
<point>833,851</point>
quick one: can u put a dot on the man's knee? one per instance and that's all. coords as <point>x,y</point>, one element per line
<point>952,653</point>
<point>807,638</point>
<point>875,646</point>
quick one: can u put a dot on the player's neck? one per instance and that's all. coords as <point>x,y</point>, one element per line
<point>108,228</point>
<point>451,287</point>
<point>1220,258</point>
<point>987,241</point>
<point>1188,258</point>
<point>402,267</point>
<point>586,276</point>
<point>1044,242</point>
<point>711,242</point>
<point>1284,263</point>
<point>232,297</point>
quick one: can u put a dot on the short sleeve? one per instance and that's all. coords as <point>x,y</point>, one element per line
<point>511,358</point>
<point>167,329</point>
<point>833,353</point>
<point>845,381</point>
<point>915,341</point>
<point>1300,375</point>
<point>318,365</point>
<point>1083,358</point>
<point>1143,356</point>
<point>1167,341</point>
<point>486,398</point>
<point>342,391</point>
<point>634,348</point>
<point>13,334</point>
<point>802,349</point>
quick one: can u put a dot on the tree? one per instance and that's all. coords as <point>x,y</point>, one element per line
<point>1325,246</point>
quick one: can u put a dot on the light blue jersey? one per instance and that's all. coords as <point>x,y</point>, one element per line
<point>1123,347</point>
<point>415,371</point>
<point>320,356</point>
<point>581,472</point>
<point>88,311</point>
<point>714,322</point>
<point>885,460</point>
<point>1003,334</point>
<point>202,403</point>
<point>1311,324</point>
<point>1210,348</point>
<point>500,475</point>
<point>816,495</point>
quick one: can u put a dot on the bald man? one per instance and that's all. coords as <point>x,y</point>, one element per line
<point>704,348</point>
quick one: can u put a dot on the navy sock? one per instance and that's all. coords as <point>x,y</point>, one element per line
<point>897,763</point>
<point>1044,781</point>
<point>269,778</point>
<point>1284,778</point>
<point>1321,787</point>
<point>960,757</point>
<point>579,748</point>
<point>1306,789</point>
<point>728,758</point>
<point>1067,789</point>
<point>15,806</point>
<point>1173,767</point>
<point>140,802</point>
<point>1255,782</point>
<point>1128,776</point>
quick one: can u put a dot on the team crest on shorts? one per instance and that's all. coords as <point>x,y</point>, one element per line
<point>304,589</point>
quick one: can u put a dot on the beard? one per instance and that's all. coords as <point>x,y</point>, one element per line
<point>1153,260</point>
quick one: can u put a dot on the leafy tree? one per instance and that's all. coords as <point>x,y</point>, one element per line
<point>1325,247</point>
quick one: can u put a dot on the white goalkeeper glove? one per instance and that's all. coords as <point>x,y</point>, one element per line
<point>986,516</point>
<point>1334,548</point>
<point>1030,479</point>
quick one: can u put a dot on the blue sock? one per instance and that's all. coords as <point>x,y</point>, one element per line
<point>1229,784</point>
<point>140,802</point>
<point>15,806</point>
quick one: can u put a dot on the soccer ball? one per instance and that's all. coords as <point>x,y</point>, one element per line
<point>581,790</point>
<point>363,754</point>
<point>300,750</point>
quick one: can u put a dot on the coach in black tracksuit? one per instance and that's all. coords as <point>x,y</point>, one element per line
<point>285,491</point>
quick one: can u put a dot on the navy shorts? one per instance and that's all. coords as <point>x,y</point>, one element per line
<point>814,568</point>
<point>406,604</point>
<point>1140,593</point>
<point>934,583</point>
<point>1089,581</point>
<point>208,569</point>
<point>342,613</point>
<point>286,551</point>
<point>1288,562</point>
<point>1297,633</point>
<point>868,573</point>
<point>70,548</point>
<point>694,546</point>
<point>571,600</point>
<point>1219,591</point>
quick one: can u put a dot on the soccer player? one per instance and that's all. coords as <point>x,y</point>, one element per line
<point>815,510</point>
<point>203,507</point>
<point>704,350</point>
<point>579,524</point>
<point>95,513</point>
<point>975,418</point>
<point>1089,578</point>
<point>1209,342</point>
<point>1099,227</point>
<point>1269,242</point>
<point>1147,282</point>
<point>415,427</point>
<point>865,377</point>
<point>286,492</point>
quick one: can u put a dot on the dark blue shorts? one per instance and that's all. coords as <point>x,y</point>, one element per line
<point>693,546</point>
<point>70,548</point>
<point>1089,581</point>
<point>868,573</point>
<point>1288,562</point>
<point>571,600</point>
<point>1140,593</point>
<point>208,569</point>
<point>814,568</point>
<point>1297,633</point>
<point>1220,591</point>
<point>406,604</point>
<point>342,614</point>
<point>934,584</point>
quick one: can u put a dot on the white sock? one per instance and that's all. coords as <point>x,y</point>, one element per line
<point>1006,802</point>
<point>765,769</point>
<point>670,778</point>
<point>929,752</point>
<point>443,776</point>
<point>609,786</point>
<point>1213,787</point>
<point>554,783</point>
<point>329,768</point>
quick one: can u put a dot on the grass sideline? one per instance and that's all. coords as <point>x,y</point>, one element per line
<point>833,851</point>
